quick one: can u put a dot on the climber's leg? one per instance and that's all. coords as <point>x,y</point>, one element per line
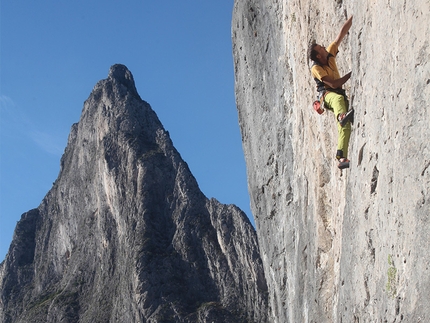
<point>338,104</point>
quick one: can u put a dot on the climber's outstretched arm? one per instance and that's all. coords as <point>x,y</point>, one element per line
<point>343,31</point>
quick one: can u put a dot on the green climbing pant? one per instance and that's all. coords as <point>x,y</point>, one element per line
<point>339,104</point>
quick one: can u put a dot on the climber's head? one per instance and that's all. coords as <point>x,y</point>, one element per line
<point>318,53</point>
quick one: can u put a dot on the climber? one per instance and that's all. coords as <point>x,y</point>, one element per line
<point>331,94</point>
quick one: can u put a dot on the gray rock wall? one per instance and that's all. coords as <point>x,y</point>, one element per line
<point>338,246</point>
<point>126,235</point>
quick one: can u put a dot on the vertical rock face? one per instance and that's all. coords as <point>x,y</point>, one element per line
<point>338,246</point>
<point>125,234</point>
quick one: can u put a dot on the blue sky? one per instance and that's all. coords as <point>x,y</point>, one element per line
<point>52,54</point>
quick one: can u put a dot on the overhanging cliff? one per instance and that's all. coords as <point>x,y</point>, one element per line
<point>338,246</point>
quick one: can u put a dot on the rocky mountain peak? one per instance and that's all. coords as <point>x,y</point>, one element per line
<point>126,235</point>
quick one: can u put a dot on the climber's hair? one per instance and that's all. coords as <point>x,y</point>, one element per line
<point>312,53</point>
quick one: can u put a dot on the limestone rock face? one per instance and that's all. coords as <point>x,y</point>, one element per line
<point>126,235</point>
<point>338,246</point>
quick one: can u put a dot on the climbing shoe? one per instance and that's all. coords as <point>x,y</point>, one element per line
<point>343,118</point>
<point>343,163</point>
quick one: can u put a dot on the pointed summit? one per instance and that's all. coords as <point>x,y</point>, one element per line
<point>126,235</point>
<point>119,73</point>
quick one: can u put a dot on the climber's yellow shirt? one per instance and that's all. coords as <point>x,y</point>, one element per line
<point>319,71</point>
